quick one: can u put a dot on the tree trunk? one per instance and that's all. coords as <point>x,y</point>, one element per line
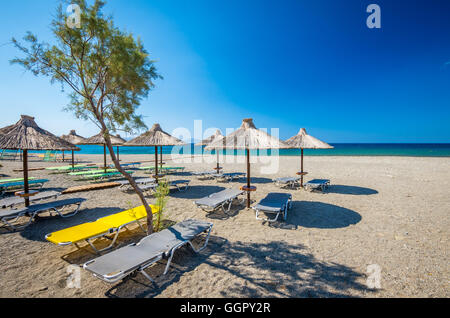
<point>133,184</point>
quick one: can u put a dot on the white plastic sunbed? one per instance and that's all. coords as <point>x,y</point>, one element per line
<point>317,184</point>
<point>133,258</point>
<point>9,217</point>
<point>13,201</point>
<point>291,182</point>
<point>274,203</point>
<point>219,200</point>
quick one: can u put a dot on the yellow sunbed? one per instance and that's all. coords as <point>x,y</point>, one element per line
<point>104,227</point>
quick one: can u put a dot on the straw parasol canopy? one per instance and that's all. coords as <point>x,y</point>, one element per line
<point>73,138</point>
<point>99,140</point>
<point>155,137</point>
<point>27,135</point>
<point>210,139</point>
<point>217,136</point>
<point>248,137</point>
<point>304,141</point>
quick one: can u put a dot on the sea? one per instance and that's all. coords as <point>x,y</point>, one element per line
<point>340,149</point>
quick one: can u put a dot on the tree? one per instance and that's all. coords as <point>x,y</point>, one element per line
<point>107,71</point>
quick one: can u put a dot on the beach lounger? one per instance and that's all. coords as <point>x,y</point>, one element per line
<point>107,227</point>
<point>229,176</point>
<point>317,184</point>
<point>13,201</point>
<point>97,171</point>
<point>274,203</point>
<point>4,187</point>
<point>126,186</point>
<point>181,185</point>
<point>290,182</point>
<point>9,217</point>
<point>122,262</point>
<point>14,180</point>
<point>108,175</point>
<point>131,165</point>
<point>219,200</point>
<point>204,174</point>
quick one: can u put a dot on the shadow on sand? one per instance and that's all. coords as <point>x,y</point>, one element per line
<point>318,215</point>
<point>274,269</point>
<point>350,190</point>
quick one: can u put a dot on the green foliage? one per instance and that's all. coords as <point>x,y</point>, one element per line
<point>108,71</point>
<point>161,200</point>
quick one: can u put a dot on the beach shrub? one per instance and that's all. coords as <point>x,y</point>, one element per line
<point>161,200</point>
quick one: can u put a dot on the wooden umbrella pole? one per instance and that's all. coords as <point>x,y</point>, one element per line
<point>248,178</point>
<point>73,160</point>
<point>25,177</point>
<point>118,158</point>
<point>156,162</point>
<point>301,181</point>
<point>63,157</point>
<point>104,156</point>
<point>218,166</point>
<point>161,159</point>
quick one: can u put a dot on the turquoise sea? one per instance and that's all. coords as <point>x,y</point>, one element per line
<point>412,150</point>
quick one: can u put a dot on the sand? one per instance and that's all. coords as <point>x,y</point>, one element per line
<point>385,214</point>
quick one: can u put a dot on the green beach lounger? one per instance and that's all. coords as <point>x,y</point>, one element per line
<point>19,185</point>
<point>14,180</point>
<point>108,175</point>
<point>98,171</point>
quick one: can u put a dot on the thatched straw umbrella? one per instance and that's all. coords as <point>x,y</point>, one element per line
<point>218,135</point>
<point>304,141</point>
<point>100,141</point>
<point>27,135</point>
<point>248,137</point>
<point>75,139</point>
<point>155,137</point>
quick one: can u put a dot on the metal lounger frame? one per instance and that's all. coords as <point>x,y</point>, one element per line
<point>7,220</point>
<point>289,184</point>
<point>322,186</point>
<point>115,231</point>
<point>284,209</point>
<point>38,185</point>
<point>221,205</point>
<point>141,268</point>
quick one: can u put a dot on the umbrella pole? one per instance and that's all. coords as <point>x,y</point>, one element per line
<point>156,162</point>
<point>248,178</point>
<point>104,156</point>
<point>73,160</point>
<point>63,156</point>
<point>301,181</point>
<point>161,159</point>
<point>118,155</point>
<point>218,166</point>
<point>25,177</point>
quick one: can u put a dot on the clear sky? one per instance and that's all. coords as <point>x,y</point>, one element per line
<point>287,64</point>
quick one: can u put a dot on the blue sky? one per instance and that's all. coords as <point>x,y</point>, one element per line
<point>287,64</point>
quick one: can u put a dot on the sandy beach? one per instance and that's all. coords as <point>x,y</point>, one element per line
<point>387,212</point>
